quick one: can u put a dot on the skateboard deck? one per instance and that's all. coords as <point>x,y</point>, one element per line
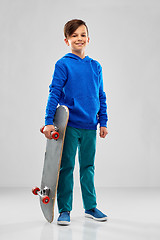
<point>52,162</point>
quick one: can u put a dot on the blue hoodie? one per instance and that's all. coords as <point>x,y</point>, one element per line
<point>78,84</point>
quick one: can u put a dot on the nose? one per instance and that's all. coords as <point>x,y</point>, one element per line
<point>79,38</point>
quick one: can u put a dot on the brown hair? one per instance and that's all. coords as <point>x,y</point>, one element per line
<point>71,26</point>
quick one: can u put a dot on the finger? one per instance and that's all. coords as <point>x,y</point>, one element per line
<point>48,134</point>
<point>103,134</point>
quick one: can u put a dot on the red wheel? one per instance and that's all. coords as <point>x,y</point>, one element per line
<point>45,199</point>
<point>35,190</point>
<point>55,135</point>
<point>41,129</point>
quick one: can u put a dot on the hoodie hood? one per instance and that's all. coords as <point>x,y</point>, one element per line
<point>74,56</point>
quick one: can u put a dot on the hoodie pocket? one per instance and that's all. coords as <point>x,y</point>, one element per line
<point>86,109</point>
<point>69,102</point>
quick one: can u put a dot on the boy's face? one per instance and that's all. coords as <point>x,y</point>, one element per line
<point>78,40</point>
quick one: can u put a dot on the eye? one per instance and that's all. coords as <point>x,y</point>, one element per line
<point>83,35</point>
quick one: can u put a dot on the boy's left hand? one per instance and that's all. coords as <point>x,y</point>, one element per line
<point>103,132</point>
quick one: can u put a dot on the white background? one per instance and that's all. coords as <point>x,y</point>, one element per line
<point>125,39</point>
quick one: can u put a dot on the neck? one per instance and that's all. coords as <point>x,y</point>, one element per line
<point>79,54</point>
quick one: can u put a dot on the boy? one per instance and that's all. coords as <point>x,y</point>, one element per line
<point>77,83</point>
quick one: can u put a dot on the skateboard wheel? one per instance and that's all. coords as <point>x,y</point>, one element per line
<point>41,129</point>
<point>55,135</point>
<point>45,199</point>
<point>35,190</point>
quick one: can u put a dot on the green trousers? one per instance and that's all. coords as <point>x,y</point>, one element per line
<point>85,141</point>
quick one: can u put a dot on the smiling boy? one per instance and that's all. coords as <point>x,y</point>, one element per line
<point>78,83</point>
<point>78,41</point>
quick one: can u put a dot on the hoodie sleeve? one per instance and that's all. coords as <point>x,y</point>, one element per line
<point>55,89</point>
<point>103,116</point>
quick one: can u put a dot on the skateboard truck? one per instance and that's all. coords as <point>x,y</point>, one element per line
<point>54,135</point>
<point>43,194</point>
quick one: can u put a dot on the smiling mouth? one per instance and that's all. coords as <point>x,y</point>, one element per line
<point>80,44</point>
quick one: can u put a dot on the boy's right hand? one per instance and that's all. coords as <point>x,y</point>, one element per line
<point>47,131</point>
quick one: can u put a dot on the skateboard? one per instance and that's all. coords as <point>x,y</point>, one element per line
<point>52,162</point>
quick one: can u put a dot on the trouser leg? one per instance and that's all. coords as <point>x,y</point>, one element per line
<point>65,184</point>
<point>87,149</point>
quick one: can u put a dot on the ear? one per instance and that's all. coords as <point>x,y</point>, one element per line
<point>66,41</point>
<point>88,40</point>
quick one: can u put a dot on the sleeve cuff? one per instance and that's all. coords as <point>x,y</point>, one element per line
<point>103,124</point>
<point>48,121</point>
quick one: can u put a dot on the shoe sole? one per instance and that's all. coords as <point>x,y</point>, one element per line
<point>97,219</point>
<point>64,223</point>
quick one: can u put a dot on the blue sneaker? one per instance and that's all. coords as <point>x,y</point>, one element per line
<point>95,214</point>
<point>64,218</point>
